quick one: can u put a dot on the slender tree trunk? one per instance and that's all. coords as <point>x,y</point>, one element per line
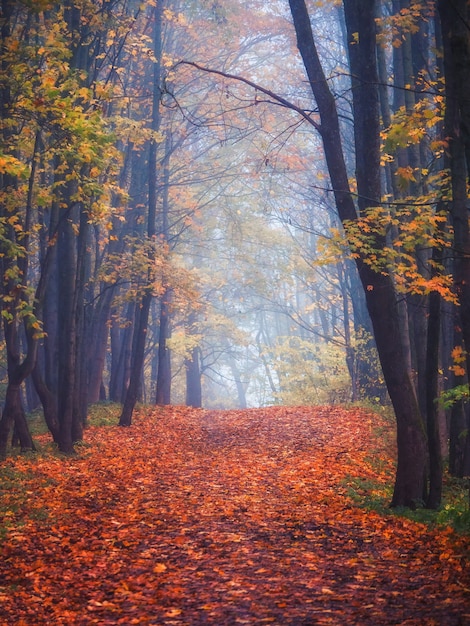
<point>48,402</point>
<point>350,350</point>
<point>121,352</point>
<point>141,327</point>
<point>137,362</point>
<point>82,321</point>
<point>240,384</point>
<point>98,335</point>
<point>193,379</point>
<point>163,392</point>
<point>432,408</point>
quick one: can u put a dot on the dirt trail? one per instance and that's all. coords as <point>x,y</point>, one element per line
<point>221,518</point>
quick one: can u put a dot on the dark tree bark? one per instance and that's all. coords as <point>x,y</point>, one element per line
<point>82,323</point>
<point>454,17</point>
<point>163,392</point>
<point>454,20</point>
<point>98,328</point>
<point>137,362</point>
<point>138,346</point>
<point>48,402</point>
<point>379,290</point>
<point>459,413</point>
<point>163,389</point>
<point>432,408</point>
<point>14,266</point>
<point>72,251</point>
<point>121,351</point>
<point>67,329</point>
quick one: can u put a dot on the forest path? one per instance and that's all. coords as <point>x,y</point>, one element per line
<point>220,518</point>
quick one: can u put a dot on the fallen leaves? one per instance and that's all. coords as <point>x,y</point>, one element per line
<point>199,517</point>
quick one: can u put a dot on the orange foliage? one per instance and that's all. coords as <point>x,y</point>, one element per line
<point>204,517</point>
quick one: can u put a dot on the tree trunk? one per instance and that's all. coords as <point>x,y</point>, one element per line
<point>457,129</point>
<point>379,290</point>
<point>121,352</point>
<point>240,384</point>
<point>49,403</point>
<point>137,361</point>
<point>163,390</point>
<point>454,18</point>
<point>67,335</point>
<point>143,315</point>
<point>193,379</point>
<point>14,265</point>
<point>13,415</point>
<point>163,393</point>
<point>432,408</point>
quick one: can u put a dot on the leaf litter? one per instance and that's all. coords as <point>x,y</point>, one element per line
<point>219,518</point>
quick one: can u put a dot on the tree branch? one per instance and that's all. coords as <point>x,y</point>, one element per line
<point>307,116</point>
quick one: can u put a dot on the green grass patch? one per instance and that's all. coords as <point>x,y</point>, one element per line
<point>13,495</point>
<point>374,495</point>
<point>16,484</point>
<point>36,423</point>
<point>104,414</point>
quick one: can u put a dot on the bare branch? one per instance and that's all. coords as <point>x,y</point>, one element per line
<point>275,98</point>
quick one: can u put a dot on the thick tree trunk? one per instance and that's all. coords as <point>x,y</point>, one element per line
<point>67,335</point>
<point>13,415</point>
<point>14,265</point>
<point>454,18</point>
<point>379,290</point>
<point>457,129</point>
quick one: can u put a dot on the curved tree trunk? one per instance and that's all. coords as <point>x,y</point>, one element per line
<point>379,289</point>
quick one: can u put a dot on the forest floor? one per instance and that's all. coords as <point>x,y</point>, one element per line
<point>201,517</point>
